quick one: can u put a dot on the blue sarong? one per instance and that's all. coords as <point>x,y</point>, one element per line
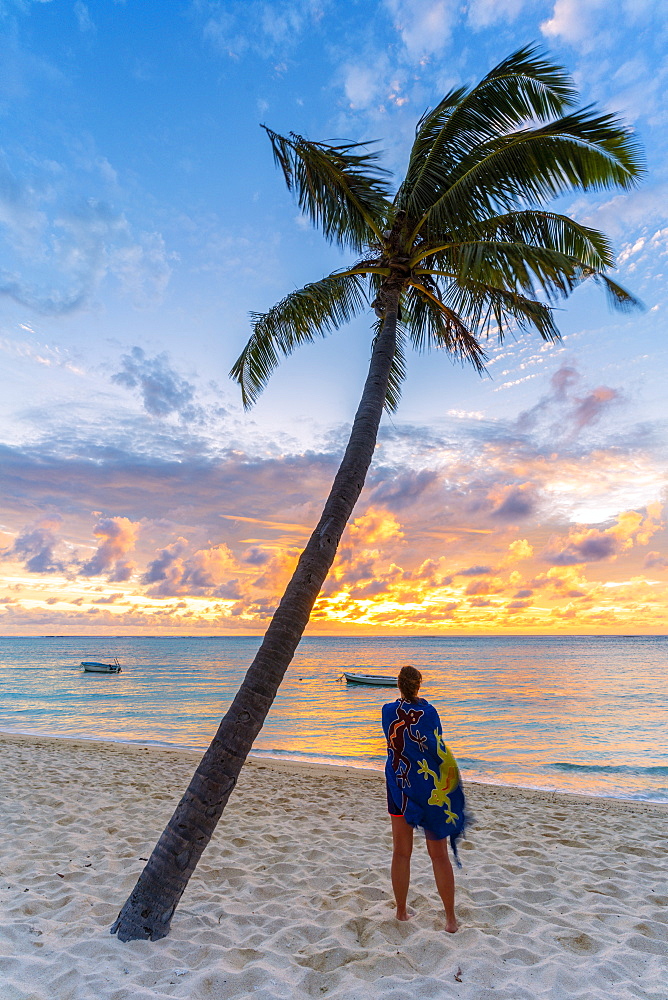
<point>421,773</point>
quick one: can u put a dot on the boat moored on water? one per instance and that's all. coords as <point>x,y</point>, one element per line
<point>94,667</point>
<point>376,680</point>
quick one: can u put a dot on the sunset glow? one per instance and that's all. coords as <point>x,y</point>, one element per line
<point>535,572</point>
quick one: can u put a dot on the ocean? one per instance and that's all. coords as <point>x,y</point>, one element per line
<point>585,714</point>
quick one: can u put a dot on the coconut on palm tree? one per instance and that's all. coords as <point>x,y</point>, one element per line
<point>463,250</point>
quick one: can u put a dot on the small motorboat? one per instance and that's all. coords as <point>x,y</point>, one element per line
<point>376,679</point>
<point>93,667</point>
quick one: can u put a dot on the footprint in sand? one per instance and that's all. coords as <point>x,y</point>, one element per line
<point>521,955</point>
<point>579,944</point>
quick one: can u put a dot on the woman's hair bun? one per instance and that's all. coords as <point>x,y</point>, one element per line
<point>408,682</point>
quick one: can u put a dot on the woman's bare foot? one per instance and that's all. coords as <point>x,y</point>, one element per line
<point>451,926</point>
<point>406,913</point>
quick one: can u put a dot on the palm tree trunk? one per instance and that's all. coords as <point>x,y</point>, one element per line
<point>148,911</point>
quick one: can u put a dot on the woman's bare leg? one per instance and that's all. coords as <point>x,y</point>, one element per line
<point>402,840</point>
<point>445,880</point>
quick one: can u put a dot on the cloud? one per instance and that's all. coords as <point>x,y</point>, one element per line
<point>58,246</point>
<point>46,355</point>
<point>424,26</point>
<point>518,550</point>
<point>367,551</point>
<point>364,84</point>
<point>110,598</point>
<point>571,19</point>
<point>212,571</point>
<point>164,573</point>
<point>162,389</point>
<point>582,547</point>
<point>96,241</point>
<point>592,545</point>
<point>265,28</point>
<point>623,213</point>
<point>142,266</point>
<point>381,78</point>
<point>589,408</point>
<point>117,536</point>
<point>84,20</point>
<point>208,568</point>
<point>165,478</point>
<point>256,557</point>
<point>374,528</point>
<point>277,571</point>
<point>35,547</point>
<point>563,380</point>
<point>475,571</point>
<point>397,491</point>
<point>49,303</point>
<point>654,560</point>
<point>20,211</point>
<point>588,26</point>
<point>482,13</point>
<point>561,409</point>
<point>516,503</point>
<point>478,587</point>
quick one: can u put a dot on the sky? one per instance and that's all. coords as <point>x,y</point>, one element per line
<point>142,219</point>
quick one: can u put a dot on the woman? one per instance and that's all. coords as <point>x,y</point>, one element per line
<point>423,789</point>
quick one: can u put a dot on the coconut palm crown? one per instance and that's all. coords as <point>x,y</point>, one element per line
<point>463,250</point>
<point>465,241</point>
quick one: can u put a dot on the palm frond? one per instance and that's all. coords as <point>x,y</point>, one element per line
<point>433,324</point>
<point>514,266</point>
<point>537,228</point>
<point>618,297</point>
<point>489,309</point>
<point>311,311</point>
<point>523,87</point>
<point>527,85</point>
<point>561,255</point>
<point>339,188</point>
<point>426,146</point>
<point>580,151</point>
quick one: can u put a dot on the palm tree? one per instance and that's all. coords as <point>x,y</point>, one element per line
<point>464,250</point>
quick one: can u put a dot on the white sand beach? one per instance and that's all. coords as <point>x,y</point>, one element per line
<point>560,896</point>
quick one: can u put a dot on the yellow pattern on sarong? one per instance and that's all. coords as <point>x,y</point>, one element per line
<point>445,781</point>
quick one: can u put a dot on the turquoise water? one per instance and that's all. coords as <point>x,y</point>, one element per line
<point>585,714</point>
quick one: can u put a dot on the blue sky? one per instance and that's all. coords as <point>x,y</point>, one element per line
<point>142,219</point>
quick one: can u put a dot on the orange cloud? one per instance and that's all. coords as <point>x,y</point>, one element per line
<point>376,526</point>
<point>117,536</point>
<point>518,551</point>
<point>276,525</point>
<point>583,545</point>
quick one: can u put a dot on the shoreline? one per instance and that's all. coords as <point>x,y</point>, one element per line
<point>561,896</point>
<point>293,761</point>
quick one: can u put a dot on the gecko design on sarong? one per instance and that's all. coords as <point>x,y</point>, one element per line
<point>399,732</point>
<point>445,781</point>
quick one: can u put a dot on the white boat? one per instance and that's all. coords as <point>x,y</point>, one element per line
<point>376,679</point>
<point>93,667</point>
